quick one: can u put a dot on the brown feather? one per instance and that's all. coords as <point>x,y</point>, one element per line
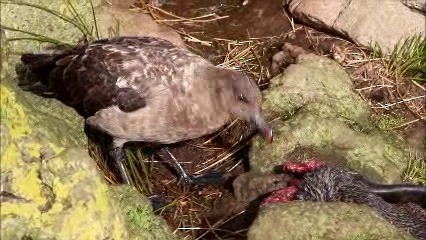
<point>147,89</point>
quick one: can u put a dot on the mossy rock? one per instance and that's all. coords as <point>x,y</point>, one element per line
<point>140,222</point>
<point>51,188</point>
<point>317,114</point>
<point>54,194</point>
<point>322,221</point>
<point>315,107</point>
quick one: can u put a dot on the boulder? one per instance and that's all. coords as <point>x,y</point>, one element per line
<point>418,5</point>
<point>366,22</point>
<point>118,20</point>
<point>315,113</point>
<point>314,107</point>
<point>50,187</point>
<point>322,221</point>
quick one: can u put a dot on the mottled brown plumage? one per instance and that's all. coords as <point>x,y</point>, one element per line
<point>147,89</point>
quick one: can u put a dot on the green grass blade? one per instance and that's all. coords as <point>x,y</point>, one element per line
<point>81,22</point>
<point>38,39</point>
<point>94,20</point>
<point>407,59</point>
<point>145,171</point>
<point>38,36</point>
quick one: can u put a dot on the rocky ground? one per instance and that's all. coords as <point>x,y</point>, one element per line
<point>324,94</point>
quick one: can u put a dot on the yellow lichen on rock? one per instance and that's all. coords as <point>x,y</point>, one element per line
<point>76,204</point>
<point>13,114</point>
<point>51,188</point>
<point>51,193</point>
<point>17,156</point>
<point>16,125</point>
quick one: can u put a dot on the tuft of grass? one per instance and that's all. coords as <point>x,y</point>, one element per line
<point>114,32</point>
<point>407,59</point>
<point>139,169</point>
<point>95,23</point>
<point>415,171</point>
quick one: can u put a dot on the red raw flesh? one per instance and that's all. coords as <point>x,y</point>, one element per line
<point>282,195</point>
<point>289,193</point>
<point>304,167</point>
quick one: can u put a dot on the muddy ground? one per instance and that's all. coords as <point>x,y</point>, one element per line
<point>261,28</point>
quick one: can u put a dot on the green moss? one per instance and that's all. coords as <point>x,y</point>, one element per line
<point>309,220</point>
<point>57,190</point>
<point>364,236</point>
<point>316,84</point>
<point>388,122</point>
<point>322,117</point>
<point>140,221</point>
<point>319,110</point>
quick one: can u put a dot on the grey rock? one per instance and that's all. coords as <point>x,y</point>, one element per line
<point>366,22</point>
<point>115,20</point>
<point>419,5</point>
